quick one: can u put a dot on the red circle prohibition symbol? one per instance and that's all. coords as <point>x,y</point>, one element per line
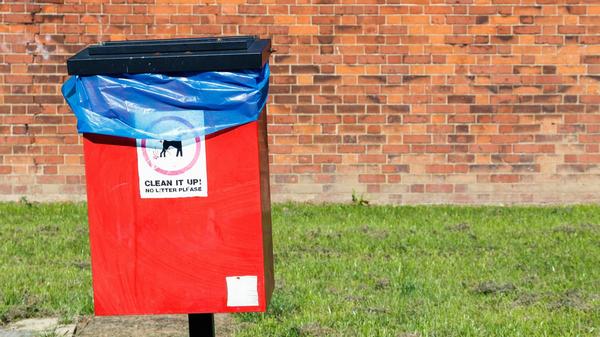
<point>172,172</point>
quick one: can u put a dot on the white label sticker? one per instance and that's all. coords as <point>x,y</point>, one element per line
<point>172,169</point>
<point>242,291</point>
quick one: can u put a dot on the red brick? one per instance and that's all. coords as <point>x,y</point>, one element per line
<point>505,178</point>
<point>371,178</point>
<point>417,139</point>
<point>530,148</point>
<point>439,188</point>
<point>17,18</point>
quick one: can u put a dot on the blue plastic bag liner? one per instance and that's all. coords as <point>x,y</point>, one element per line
<point>160,106</point>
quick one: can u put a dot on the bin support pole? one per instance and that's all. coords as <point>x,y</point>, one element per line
<point>202,325</point>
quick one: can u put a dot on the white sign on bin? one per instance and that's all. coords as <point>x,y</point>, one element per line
<point>172,168</point>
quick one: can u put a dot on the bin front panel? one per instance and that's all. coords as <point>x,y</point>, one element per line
<point>154,256</point>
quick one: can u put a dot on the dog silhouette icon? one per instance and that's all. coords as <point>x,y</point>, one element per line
<point>166,144</point>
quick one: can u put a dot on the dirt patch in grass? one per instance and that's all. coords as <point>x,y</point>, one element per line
<point>577,228</point>
<point>133,326</point>
<point>591,227</point>
<point>527,299</point>
<point>314,330</point>
<point>570,299</point>
<point>382,283</point>
<point>148,326</point>
<point>48,229</point>
<point>567,229</point>
<point>354,298</point>
<point>377,310</point>
<point>461,227</point>
<point>375,233</point>
<point>492,288</point>
<point>17,312</point>
<point>318,233</point>
<point>30,307</point>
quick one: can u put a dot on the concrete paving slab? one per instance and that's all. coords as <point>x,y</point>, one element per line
<point>65,330</point>
<point>35,324</point>
<point>15,333</point>
<point>33,327</point>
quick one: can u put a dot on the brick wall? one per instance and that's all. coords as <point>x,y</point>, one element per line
<point>411,101</point>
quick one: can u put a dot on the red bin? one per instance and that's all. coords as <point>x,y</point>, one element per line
<point>207,252</point>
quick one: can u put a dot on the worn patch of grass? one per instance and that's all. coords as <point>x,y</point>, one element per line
<point>350,270</point>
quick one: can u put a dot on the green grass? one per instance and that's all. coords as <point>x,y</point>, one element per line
<point>44,261</point>
<point>344,270</point>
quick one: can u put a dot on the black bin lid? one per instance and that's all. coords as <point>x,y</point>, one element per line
<point>168,56</point>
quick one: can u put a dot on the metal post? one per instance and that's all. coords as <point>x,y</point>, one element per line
<point>202,325</point>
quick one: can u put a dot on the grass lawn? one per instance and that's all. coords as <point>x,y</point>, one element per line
<point>345,270</point>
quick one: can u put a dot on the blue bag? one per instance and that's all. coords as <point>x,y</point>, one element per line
<point>134,105</point>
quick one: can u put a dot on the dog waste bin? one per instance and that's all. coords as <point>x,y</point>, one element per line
<point>176,163</point>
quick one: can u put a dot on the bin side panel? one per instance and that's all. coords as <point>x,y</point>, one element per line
<point>263,158</point>
<point>155,256</point>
